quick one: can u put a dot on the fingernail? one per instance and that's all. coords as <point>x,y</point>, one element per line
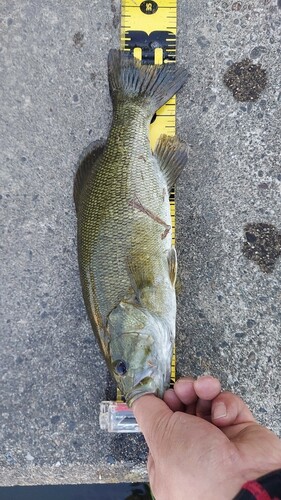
<point>169,390</point>
<point>184,381</point>
<point>219,411</point>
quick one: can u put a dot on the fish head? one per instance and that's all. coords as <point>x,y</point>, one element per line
<point>140,351</point>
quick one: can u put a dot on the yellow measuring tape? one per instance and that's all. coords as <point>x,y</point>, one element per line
<point>148,31</point>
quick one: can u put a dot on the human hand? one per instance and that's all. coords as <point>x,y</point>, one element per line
<point>203,443</point>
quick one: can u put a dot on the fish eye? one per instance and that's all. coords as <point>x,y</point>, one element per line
<point>120,367</point>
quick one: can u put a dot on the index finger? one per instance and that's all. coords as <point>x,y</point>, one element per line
<point>153,417</point>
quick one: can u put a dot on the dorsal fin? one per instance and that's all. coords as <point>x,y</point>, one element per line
<point>171,154</point>
<point>86,165</point>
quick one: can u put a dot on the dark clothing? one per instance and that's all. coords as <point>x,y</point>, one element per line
<point>265,488</point>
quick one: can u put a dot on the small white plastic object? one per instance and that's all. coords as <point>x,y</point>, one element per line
<point>117,417</point>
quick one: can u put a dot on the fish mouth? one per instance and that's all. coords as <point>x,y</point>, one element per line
<point>145,386</point>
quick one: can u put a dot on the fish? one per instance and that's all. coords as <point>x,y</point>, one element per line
<point>127,263</point>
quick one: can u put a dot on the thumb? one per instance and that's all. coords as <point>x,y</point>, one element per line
<point>153,416</point>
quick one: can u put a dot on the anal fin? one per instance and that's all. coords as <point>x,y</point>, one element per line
<point>173,265</point>
<point>171,154</point>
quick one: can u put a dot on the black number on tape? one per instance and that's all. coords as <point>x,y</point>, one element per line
<point>148,43</point>
<point>148,7</point>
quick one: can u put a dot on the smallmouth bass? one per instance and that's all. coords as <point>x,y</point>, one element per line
<point>127,263</point>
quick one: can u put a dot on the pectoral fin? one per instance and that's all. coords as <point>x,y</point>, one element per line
<point>172,263</point>
<point>171,154</point>
<point>141,272</point>
<point>87,164</point>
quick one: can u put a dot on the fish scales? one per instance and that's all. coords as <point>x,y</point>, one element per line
<point>124,237</point>
<point>125,231</point>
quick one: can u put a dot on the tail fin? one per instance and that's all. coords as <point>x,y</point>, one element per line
<point>150,85</point>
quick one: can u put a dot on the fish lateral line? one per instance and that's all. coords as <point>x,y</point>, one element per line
<point>135,203</point>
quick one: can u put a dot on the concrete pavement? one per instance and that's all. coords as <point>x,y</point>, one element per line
<point>54,102</point>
